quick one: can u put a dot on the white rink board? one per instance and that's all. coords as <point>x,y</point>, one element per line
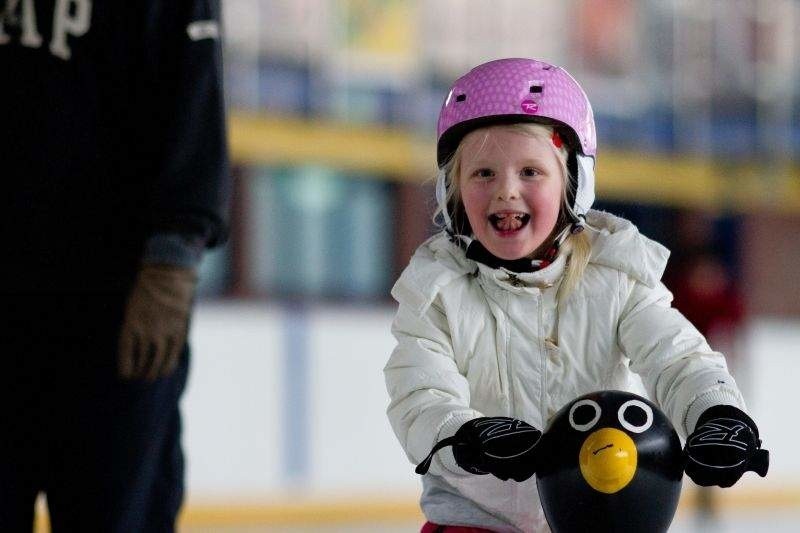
<point>771,382</point>
<point>235,407</point>
<point>354,447</point>
<point>231,402</point>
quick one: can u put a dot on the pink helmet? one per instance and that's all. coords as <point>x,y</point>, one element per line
<point>522,90</point>
<point>515,90</point>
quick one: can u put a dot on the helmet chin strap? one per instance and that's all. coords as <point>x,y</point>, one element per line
<point>584,196</point>
<point>578,225</point>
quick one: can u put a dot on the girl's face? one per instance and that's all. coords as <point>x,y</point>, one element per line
<point>511,187</point>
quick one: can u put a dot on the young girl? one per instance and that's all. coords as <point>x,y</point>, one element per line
<point>529,299</point>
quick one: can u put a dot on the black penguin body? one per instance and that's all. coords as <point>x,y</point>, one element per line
<point>590,480</point>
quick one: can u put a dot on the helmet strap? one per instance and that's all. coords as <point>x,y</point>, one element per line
<point>584,192</point>
<point>578,225</point>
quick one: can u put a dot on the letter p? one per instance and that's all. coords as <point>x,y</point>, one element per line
<point>64,23</point>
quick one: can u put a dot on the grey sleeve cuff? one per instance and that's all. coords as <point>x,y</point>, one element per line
<point>174,249</point>
<point>445,455</point>
<point>708,400</point>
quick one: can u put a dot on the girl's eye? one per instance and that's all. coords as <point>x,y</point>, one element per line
<point>530,172</point>
<point>483,173</point>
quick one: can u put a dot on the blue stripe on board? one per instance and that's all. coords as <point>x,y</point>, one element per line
<point>296,394</point>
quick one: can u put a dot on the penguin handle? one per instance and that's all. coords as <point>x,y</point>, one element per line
<point>759,462</point>
<point>423,467</point>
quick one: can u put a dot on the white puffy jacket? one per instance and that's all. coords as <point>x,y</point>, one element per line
<point>475,341</point>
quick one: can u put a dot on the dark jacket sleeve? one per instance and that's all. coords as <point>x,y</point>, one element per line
<point>190,187</point>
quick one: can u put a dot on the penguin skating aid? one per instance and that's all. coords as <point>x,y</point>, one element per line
<point>611,461</point>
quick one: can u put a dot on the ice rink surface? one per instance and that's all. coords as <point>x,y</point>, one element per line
<point>775,521</point>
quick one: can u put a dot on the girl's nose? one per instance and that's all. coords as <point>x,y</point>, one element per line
<point>507,188</point>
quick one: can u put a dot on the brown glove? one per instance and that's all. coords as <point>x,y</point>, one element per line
<point>156,321</point>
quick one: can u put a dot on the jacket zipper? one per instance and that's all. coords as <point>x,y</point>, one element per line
<point>509,367</point>
<point>515,281</point>
<point>543,359</point>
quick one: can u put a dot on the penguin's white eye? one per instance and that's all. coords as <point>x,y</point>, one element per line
<point>584,414</point>
<point>635,416</point>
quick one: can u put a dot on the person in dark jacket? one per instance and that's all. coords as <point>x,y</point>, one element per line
<point>115,179</point>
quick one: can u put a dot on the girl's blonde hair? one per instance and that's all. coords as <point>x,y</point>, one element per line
<point>577,245</point>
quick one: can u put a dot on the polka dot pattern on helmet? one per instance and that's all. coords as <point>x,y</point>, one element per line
<point>503,88</point>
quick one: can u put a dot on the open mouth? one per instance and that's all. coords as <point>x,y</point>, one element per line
<point>506,222</point>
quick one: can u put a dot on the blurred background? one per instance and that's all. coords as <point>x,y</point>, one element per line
<point>332,110</point>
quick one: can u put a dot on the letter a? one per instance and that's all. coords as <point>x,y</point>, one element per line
<point>30,35</point>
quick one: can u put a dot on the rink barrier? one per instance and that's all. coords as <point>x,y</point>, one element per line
<point>400,154</point>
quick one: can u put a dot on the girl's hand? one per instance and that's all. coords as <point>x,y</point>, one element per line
<point>723,447</point>
<point>501,446</point>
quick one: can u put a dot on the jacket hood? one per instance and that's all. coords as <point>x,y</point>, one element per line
<point>617,244</point>
<point>436,263</point>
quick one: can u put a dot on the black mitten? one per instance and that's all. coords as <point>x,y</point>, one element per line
<point>501,446</point>
<point>724,446</point>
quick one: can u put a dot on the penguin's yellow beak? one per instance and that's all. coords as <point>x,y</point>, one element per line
<point>608,460</point>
